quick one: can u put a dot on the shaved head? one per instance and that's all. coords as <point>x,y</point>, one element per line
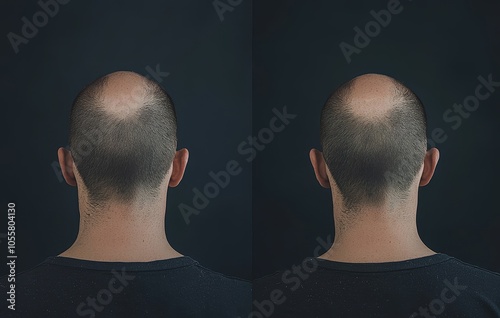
<point>373,134</point>
<point>122,136</point>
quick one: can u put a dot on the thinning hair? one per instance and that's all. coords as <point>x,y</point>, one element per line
<point>116,156</point>
<point>373,158</point>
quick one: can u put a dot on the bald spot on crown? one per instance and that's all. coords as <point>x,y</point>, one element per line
<point>371,96</point>
<point>124,94</point>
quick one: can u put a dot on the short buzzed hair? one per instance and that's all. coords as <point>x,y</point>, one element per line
<point>116,156</point>
<point>370,158</point>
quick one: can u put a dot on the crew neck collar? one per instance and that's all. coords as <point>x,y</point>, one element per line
<point>163,264</point>
<point>386,266</point>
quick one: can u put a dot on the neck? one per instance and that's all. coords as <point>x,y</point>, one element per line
<point>386,233</point>
<point>132,232</point>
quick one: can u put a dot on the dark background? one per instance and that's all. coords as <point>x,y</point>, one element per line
<point>438,49</point>
<point>209,62</point>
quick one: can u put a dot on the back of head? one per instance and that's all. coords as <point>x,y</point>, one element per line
<point>122,136</point>
<point>373,134</point>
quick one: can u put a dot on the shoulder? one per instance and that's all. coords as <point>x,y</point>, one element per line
<point>212,277</point>
<point>473,269</point>
<point>474,275</point>
<point>224,294</point>
<point>264,286</point>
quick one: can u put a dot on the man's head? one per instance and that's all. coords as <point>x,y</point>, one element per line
<point>373,134</point>
<point>122,139</point>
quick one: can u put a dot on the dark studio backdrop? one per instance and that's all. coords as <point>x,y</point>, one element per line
<point>437,49</point>
<point>228,82</point>
<point>204,63</point>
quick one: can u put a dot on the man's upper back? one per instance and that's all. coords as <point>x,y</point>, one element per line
<point>432,286</point>
<point>178,287</point>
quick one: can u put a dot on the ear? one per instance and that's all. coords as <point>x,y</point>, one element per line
<point>66,162</point>
<point>319,166</point>
<point>178,167</point>
<point>430,162</point>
